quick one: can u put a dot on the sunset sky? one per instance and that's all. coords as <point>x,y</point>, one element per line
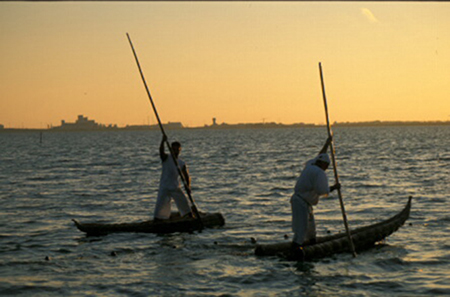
<point>240,62</point>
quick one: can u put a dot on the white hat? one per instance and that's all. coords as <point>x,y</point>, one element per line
<point>323,158</point>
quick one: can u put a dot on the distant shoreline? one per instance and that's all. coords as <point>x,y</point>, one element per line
<point>225,126</point>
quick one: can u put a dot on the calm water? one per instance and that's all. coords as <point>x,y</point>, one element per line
<point>248,176</point>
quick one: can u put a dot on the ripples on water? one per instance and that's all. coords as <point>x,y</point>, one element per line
<point>248,175</point>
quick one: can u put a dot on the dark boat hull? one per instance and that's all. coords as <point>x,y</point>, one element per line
<point>363,238</point>
<point>172,225</point>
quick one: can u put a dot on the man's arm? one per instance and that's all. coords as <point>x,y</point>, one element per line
<point>336,186</point>
<point>162,154</point>
<point>326,145</point>
<point>187,177</point>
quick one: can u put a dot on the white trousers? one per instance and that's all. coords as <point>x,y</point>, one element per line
<point>303,223</point>
<point>163,203</point>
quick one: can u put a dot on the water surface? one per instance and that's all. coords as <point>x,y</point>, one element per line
<point>248,176</point>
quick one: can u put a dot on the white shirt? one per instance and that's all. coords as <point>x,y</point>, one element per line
<point>170,176</point>
<point>312,183</point>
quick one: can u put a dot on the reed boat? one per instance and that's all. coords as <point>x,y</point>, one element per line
<point>363,239</point>
<point>174,224</point>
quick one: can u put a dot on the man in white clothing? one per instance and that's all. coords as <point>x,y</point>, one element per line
<point>169,185</point>
<point>311,185</point>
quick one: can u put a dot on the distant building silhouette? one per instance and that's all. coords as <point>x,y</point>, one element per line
<point>173,125</point>
<point>82,124</point>
<point>169,126</point>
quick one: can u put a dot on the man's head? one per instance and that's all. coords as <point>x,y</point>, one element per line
<point>176,148</point>
<point>323,161</point>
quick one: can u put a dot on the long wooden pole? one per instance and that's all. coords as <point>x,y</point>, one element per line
<point>333,158</point>
<point>194,207</point>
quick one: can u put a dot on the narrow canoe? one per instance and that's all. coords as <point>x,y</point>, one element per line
<point>363,238</point>
<point>174,224</point>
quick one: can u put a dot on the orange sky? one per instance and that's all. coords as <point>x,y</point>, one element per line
<point>237,61</point>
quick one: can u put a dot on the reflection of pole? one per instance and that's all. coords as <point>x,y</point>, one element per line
<point>336,176</point>
<point>188,191</point>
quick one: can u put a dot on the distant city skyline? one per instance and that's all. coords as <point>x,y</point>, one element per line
<point>83,122</point>
<point>240,62</point>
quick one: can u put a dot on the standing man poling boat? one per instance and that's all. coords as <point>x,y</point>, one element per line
<point>169,185</point>
<point>310,186</point>
<point>162,203</point>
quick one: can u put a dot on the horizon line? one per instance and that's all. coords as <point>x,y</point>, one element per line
<point>224,125</point>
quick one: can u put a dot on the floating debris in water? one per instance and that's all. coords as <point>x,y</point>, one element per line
<point>113,254</point>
